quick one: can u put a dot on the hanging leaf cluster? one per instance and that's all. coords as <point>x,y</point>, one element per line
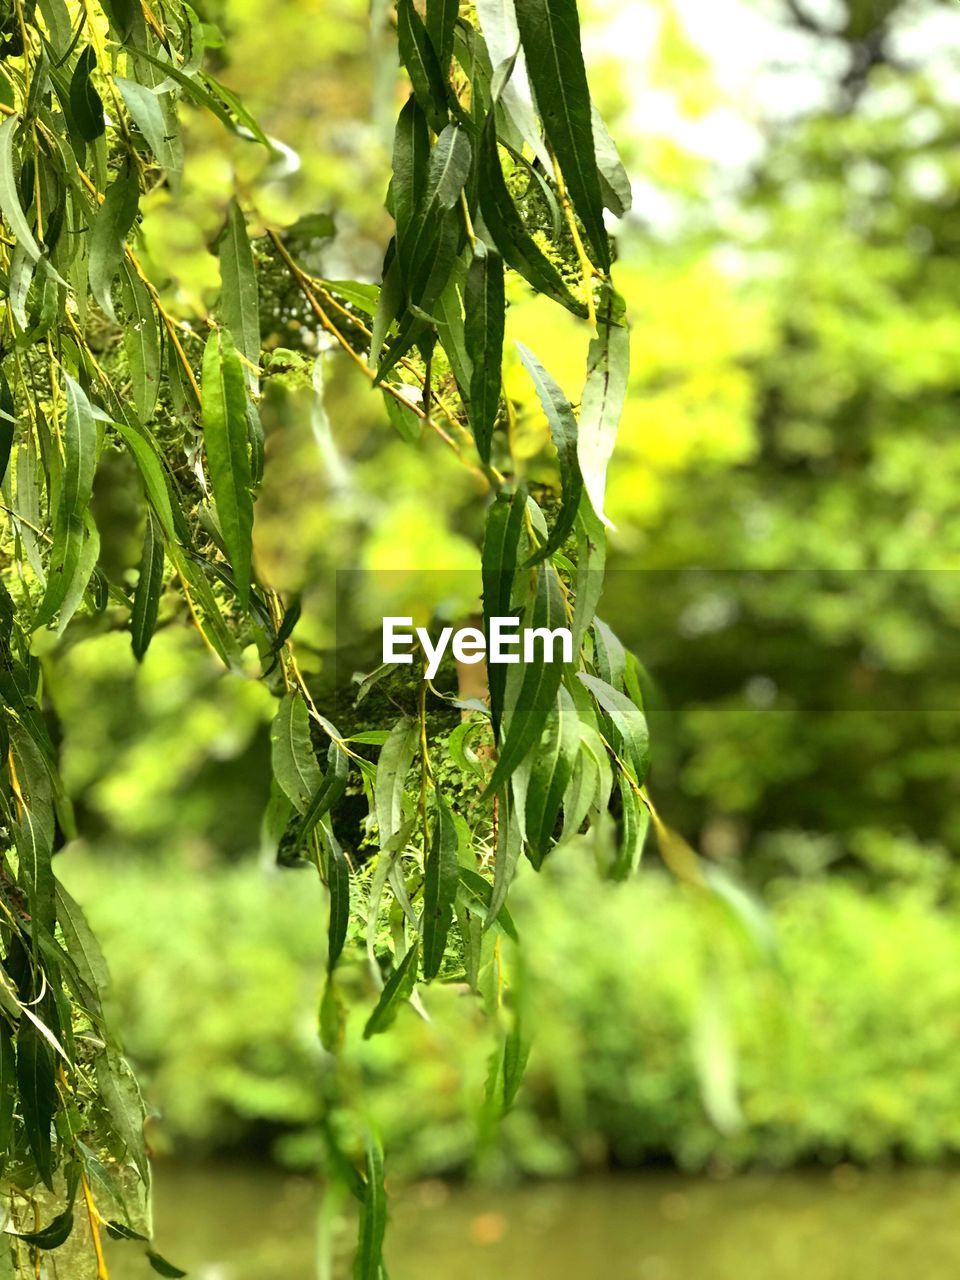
<point>503,174</point>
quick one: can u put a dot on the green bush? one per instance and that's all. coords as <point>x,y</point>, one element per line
<point>660,1029</point>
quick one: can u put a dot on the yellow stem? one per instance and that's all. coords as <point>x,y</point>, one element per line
<point>95,1220</point>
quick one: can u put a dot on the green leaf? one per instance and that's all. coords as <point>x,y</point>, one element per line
<point>604,394</point>
<point>108,236</point>
<point>591,559</point>
<point>62,567</point>
<point>411,157</point>
<point>396,989</point>
<point>159,129</point>
<point>294,763</point>
<point>333,1016</point>
<point>8,1090</point>
<point>501,545</point>
<point>338,884</point>
<point>498,21</point>
<point>609,656</point>
<point>634,824</point>
<point>504,223</point>
<point>550,775</point>
<point>8,419</point>
<point>215,97</point>
<point>85,103</point>
<point>420,59</point>
<point>79,452</point>
<point>368,1264</point>
<point>563,430</point>
<point>81,944</point>
<point>53,1235</point>
<point>120,1231</point>
<point>332,787</point>
<point>441,877</point>
<point>441,25</point>
<point>9,197</point>
<point>151,472</point>
<point>482,890</point>
<point>37,1087</point>
<point>448,312</point>
<point>162,1267</point>
<point>614,180</point>
<point>141,342</point>
<point>240,300</point>
<point>121,1097</point>
<point>550,35</point>
<point>146,601</point>
<point>228,456</point>
<point>516,1052</point>
<point>392,768</point>
<point>531,686</point>
<point>509,846</point>
<point>629,722</point>
<point>419,250</point>
<point>485,309</point>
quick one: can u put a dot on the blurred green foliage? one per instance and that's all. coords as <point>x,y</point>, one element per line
<point>846,1048</point>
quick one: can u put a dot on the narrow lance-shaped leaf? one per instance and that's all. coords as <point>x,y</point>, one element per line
<point>509,846</point>
<point>531,686</point>
<point>420,59</point>
<point>441,24</point>
<point>79,452</point>
<point>397,988</point>
<point>38,1095</point>
<point>294,763</point>
<point>591,560</point>
<point>501,543</point>
<point>121,1096</point>
<point>338,886</point>
<point>446,173</point>
<point>81,943</point>
<point>8,1090</point>
<point>614,180</point>
<point>108,235</point>
<point>604,394</point>
<point>226,440</point>
<point>563,430</point>
<point>162,1267</point>
<point>395,760</point>
<point>504,223</point>
<point>411,157</point>
<point>146,600</point>
<point>240,302</point>
<point>550,34</point>
<point>634,824</point>
<point>485,310</point>
<point>498,20</point>
<point>8,421</point>
<point>53,1235</point>
<point>141,342</point>
<point>9,197</point>
<point>550,775</point>
<point>148,114</point>
<point>441,877</point>
<point>85,103</point>
<point>628,720</point>
<point>328,793</point>
<point>373,1217</point>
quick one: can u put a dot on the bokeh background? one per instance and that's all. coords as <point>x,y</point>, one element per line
<point>704,1097</point>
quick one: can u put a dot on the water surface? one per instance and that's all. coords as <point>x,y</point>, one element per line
<point>243,1223</point>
